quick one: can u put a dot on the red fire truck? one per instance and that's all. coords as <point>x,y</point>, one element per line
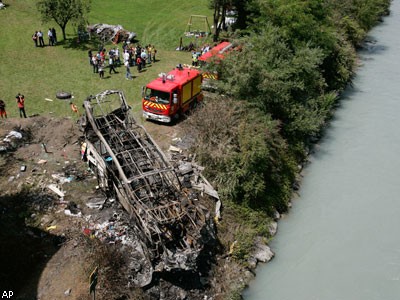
<point>216,53</point>
<point>170,95</point>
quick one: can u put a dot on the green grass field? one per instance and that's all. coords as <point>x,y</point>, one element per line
<point>39,73</point>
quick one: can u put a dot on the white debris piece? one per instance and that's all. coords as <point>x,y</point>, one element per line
<point>12,134</point>
<point>56,190</point>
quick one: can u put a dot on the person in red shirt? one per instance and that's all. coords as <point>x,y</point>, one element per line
<point>139,63</point>
<point>21,104</point>
<point>3,112</point>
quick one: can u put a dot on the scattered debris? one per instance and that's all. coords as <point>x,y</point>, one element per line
<point>62,179</point>
<point>175,149</point>
<point>45,148</point>
<point>171,227</point>
<point>12,135</point>
<point>67,292</point>
<point>71,214</point>
<point>55,189</point>
<point>232,247</point>
<point>96,203</point>
<point>114,33</point>
<point>51,227</point>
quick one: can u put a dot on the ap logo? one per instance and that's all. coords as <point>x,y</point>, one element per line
<point>7,294</point>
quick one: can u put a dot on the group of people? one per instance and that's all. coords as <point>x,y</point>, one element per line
<point>132,56</point>
<point>38,39</point>
<point>20,99</point>
<point>97,61</point>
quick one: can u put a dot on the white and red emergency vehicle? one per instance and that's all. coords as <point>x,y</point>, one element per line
<point>171,94</point>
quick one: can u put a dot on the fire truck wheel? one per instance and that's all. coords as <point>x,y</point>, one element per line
<point>63,95</point>
<point>193,105</point>
<point>177,116</point>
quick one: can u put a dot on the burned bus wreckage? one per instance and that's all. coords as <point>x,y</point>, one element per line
<point>170,224</point>
<point>110,33</point>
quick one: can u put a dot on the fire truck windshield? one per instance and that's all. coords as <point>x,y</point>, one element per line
<point>157,96</point>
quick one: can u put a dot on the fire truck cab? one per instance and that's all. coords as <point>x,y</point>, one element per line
<point>170,95</point>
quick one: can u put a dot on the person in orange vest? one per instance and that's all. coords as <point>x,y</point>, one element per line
<point>21,104</point>
<point>74,108</point>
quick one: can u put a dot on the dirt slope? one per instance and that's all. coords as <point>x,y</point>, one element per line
<point>48,254</point>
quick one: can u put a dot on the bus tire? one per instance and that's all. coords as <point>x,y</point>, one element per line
<point>63,95</point>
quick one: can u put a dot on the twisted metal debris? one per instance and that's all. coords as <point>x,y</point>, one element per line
<point>170,223</point>
<point>113,33</point>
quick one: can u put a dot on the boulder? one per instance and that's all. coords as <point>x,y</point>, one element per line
<point>262,252</point>
<point>272,228</point>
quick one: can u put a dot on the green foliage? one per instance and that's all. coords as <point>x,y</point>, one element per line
<point>284,83</point>
<point>263,167</point>
<point>300,21</point>
<point>240,226</point>
<point>245,155</point>
<point>365,13</point>
<point>339,66</point>
<point>352,30</point>
<point>63,11</point>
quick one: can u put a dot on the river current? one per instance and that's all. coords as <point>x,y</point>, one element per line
<point>341,239</point>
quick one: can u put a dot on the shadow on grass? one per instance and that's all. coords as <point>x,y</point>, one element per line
<point>74,43</point>
<point>24,249</point>
<point>93,44</point>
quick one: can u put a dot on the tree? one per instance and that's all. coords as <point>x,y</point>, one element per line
<point>220,7</point>
<point>63,11</point>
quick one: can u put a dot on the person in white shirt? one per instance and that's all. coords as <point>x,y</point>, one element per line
<point>40,37</point>
<point>50,36</point>
<point>126,56</point>
<point>116,57</point>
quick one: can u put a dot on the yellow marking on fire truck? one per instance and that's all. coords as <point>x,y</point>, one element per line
<point>210,76</point>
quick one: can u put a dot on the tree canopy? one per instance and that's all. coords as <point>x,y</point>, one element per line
<point>64,11</point>
<point>295,58</point>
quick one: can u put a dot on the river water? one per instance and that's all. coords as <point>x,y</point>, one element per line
<point>341,239</point>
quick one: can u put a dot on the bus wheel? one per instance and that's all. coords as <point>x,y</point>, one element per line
<point>63,95</point>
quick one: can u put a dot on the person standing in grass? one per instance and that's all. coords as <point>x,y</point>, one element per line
<point>35,38</point>
<point>117,57</point>
<point>54,36</point>
<point>139,64</point>
<point>111,64</point>
<point>50,36</point>
<point>95,64</point>
<point>101,69</point>
<point>149,51</point>
<point>3,112</point>
<point>21,104</point>
<point>40,37</point>
<point>90,55</point>
<point>128,70</point>
<point>126,57</point>
<point>153,53</point>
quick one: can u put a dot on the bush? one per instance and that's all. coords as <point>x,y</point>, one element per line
<point>244,153</point>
